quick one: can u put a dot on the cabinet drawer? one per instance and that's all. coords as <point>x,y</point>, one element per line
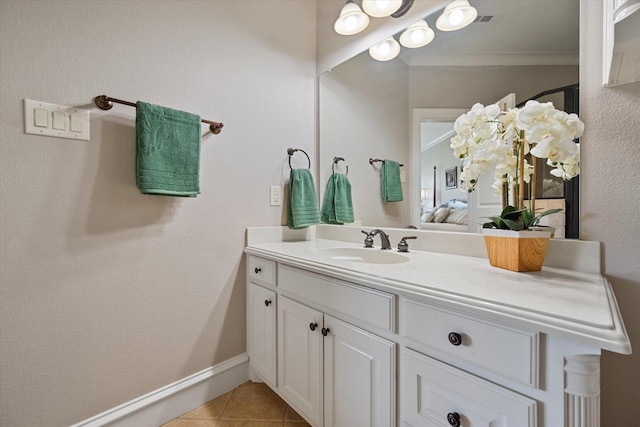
<point>261,270</point>
<point>435,394</point>
<point>372,306</point>
<point>510,352</point>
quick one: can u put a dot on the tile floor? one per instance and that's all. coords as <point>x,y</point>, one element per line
<point>248,405</point>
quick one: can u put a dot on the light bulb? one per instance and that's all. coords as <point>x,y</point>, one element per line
<point>380,8</point>
<point>351,21</point>
<point>458,14</point>
<point>386,50</point>
<point>456,17</point>
<point>417,35</point>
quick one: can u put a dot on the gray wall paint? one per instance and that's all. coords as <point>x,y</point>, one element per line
<point>108,294</point>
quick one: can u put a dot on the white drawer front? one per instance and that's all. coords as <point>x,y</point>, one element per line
<point>510,352</point>
<point>369,305</point>
<point>261,270</point>
<point>432,393</point>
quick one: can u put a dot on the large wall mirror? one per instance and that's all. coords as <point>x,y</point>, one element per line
<point>403,109</point>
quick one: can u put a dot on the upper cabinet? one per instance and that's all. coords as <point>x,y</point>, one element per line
<point>621,42</point>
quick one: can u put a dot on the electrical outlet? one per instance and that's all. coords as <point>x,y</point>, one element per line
<point>403,175</point>
<point>276,195</point>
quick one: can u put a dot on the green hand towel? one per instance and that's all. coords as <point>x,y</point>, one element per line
<point>302,208</point>
<point>167,151</point>
<point>391,185</point>
<point>337,207</point>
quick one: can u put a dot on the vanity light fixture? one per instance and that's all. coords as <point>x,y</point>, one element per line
<point>417,35</point>
<point>386,50</point>
<point>381,8</point>
<point>352,20</point>
<point>458,14</point>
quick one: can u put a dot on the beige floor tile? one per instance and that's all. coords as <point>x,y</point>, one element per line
<point>255,402</point>
<point>293,416</point>
<point>210,410</point>
<point>248,423</point>
<point>179,422</point>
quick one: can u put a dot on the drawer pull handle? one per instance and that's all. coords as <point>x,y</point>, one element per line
<point>325,331</point>
<point>257,270</point>
<point>454,419</point>
<point>267,302</point>
<point>313,326</point>
<point>455,338</point>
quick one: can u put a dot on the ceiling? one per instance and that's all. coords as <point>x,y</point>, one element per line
<point>520,32</point>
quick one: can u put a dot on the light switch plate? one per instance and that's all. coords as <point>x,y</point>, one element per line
<point>46,119</point>
<point>276,195</point>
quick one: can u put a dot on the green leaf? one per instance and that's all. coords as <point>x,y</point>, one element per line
<point>514,225</point>
<point>537,219</point>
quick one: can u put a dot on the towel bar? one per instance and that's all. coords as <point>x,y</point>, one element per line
<point>291,151</point>
<point>372,161</point>
<point>105,102</point>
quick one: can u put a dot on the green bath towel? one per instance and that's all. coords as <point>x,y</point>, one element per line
<point>337,207</point>
<point>391,185</point>
<point>302,206</point>
<point>167,151</point>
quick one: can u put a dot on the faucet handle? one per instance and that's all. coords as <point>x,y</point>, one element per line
<point>403,246</point>
<point>368,241</point>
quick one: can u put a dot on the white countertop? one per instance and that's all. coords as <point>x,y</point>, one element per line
<point>570,304</point>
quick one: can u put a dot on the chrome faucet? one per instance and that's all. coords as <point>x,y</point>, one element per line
<point>384,238</point>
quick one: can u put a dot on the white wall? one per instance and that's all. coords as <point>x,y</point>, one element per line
<point>610,151</point>
<point>107,294</point>
<point>461,87</point>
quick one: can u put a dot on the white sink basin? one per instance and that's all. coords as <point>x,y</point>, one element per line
<point>365,255</point>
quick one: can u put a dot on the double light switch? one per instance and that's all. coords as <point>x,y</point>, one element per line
<point>43,118</point>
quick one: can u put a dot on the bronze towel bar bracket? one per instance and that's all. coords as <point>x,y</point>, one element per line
<point>372,161</point>
<point>105,102</point>
<point>335,162</point>
<point>291,151</point>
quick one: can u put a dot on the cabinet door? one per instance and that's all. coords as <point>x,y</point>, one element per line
<point>261,332</point>
<point>359,377</point>
<point>300,357</point>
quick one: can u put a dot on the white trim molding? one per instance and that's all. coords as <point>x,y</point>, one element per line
<point>582,391</point>
<point>170,401</point>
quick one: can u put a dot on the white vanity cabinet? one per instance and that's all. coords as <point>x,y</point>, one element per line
<point>332,371</point>
<point>438,340</point>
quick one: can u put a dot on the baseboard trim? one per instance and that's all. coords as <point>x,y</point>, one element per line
<point>168,402</point>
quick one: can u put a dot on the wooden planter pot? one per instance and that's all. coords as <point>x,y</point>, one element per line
<point>516,250</point>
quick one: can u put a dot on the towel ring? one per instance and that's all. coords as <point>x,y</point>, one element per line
<point>335,162</point>
<point>290,152</point>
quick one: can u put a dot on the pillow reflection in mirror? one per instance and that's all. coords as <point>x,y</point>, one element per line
<point>441,214</point>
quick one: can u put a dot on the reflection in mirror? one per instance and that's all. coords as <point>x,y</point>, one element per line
<point>366,107</point>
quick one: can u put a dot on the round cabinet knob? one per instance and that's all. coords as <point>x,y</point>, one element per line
<point>454,419</point>
<point>267,302</point>
<point>325,331</point>
<point>257,270</point>
<point>313,326</point>
<point>455,338</point>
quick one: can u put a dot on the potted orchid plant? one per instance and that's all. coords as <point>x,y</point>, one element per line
<point>491,141</point>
